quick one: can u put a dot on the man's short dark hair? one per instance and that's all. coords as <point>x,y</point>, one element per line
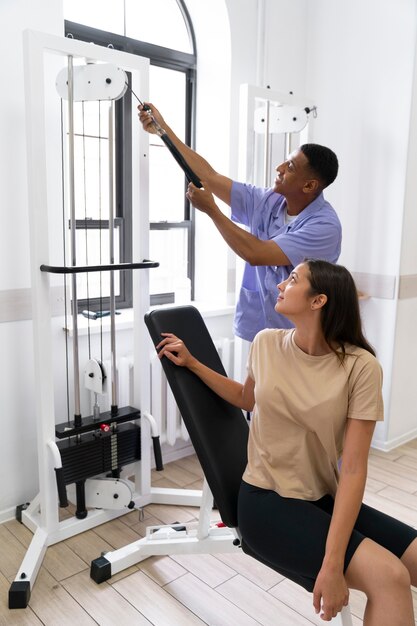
<point>322,161</point>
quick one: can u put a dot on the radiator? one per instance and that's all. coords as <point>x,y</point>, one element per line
<point>163,406</point>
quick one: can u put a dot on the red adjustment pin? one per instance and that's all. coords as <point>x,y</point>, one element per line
<point>104,428</point>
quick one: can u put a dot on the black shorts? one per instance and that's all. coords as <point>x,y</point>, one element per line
<point>290,535</point>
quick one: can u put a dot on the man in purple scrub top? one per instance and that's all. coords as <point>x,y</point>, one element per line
<point>287,223</point>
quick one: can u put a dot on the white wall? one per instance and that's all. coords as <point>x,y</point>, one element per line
<point>360,66</point>
<point>403,408</point>
<point>15,16</point>
<point>18,455</point>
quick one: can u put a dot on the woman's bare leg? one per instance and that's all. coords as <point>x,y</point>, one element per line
<point>386,582</point>
<point>409,558</point>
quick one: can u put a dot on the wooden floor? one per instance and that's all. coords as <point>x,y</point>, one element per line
<point>224,590</point>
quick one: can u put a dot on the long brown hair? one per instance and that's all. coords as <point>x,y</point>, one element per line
<point>340,317</point>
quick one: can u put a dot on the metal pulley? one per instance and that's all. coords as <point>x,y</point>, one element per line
<point>281,118</point>
<point>94,81</point>
<point>95,377</point>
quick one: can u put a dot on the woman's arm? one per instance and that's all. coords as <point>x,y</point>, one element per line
<point>330,591</point>
<point>237,394</point>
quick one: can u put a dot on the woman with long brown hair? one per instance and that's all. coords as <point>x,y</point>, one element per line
<point>316,394</point>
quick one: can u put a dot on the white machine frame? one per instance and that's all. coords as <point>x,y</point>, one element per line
<point>41,516</point>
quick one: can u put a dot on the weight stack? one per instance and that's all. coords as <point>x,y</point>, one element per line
<point>93,453</point>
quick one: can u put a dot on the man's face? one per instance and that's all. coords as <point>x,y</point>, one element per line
<point>292,174</point>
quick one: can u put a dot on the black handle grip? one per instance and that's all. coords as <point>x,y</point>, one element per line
<point>191,177</point>
<point>62,490</point>
<point>158,454</point>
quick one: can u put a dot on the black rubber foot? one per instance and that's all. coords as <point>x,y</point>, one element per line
<point>100,570</point>
<point>19,509</point>
<point>19,594</point>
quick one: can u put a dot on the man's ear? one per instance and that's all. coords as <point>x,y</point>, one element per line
<point>319,301</point>
<point>311,186</point>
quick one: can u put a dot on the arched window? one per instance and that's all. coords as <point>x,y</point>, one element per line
<point>162,32</point>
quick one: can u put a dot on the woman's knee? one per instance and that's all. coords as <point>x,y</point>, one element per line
<point>409,559</point>
<point>375,570</point>
<point>397,574</point>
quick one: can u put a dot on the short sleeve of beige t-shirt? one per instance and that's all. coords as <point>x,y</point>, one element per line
<point>301,406</point>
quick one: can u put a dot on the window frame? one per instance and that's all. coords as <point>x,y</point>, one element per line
<point>169,59</point>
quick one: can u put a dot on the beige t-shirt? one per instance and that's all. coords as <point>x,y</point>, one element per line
<point>301,406</point>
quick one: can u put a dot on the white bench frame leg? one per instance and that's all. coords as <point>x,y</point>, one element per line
<point>206,539</point>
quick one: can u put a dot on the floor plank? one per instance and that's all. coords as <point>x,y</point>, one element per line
<point>116,534</point>
<point>407,461</point>
<point>102,602</point>
<point>22,534</point>
<point>162,569</point>
<point>259,604</point>
<point>205,567</point>
<point>178,475</point>
<point>54,605</point>
<point>395,468</point>
<point>170,514</point>
<point>156,604</point>
<point>191,464</point>
<point>400,497</point>
<point>210,607</point>
<point>12,553</point>
<point>388,474</point>
<point>88,545</point>
<point>62,562</point>
<point>251,569</point>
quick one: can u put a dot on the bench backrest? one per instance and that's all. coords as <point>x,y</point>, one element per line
<point>218,430</point>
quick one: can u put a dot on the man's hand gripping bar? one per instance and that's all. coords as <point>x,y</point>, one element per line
<point>191,176</point>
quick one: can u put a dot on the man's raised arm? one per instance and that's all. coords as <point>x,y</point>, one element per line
<point>220,185</point>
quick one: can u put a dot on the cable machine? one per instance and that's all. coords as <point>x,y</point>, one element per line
<point>81,460</point>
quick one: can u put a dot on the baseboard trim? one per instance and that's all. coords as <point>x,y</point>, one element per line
<point>7,515</point>
<point>391,444</point>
